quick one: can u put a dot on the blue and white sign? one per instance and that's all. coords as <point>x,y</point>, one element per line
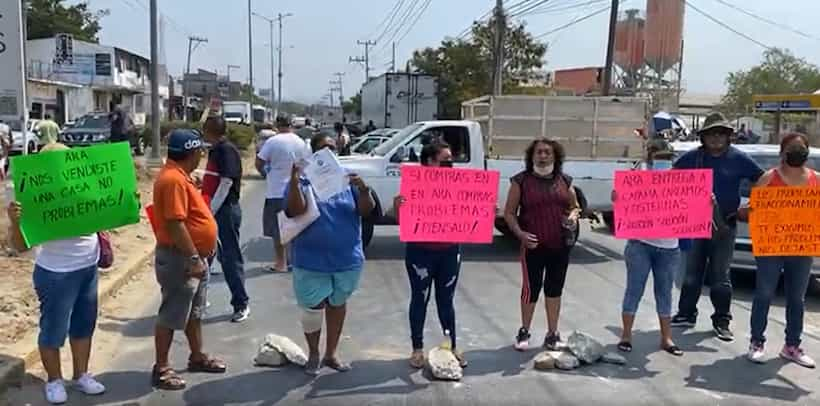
<point>12,79</point>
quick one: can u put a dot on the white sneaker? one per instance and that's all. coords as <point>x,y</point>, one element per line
<point>55,392</point>
<point>90,386</point>
<point>796,355</point>
<point>756,353</point>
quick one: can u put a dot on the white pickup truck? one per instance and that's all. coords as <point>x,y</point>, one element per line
<point>381,169</point>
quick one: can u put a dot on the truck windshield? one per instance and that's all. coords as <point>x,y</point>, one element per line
<point>396,140</point>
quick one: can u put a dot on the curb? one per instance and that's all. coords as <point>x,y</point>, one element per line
<point>23,354</point>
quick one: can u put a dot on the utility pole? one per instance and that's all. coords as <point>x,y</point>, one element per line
<point>366,60</point>
<point>191,48</point>
<point>610,48</point>
<point>154,159</point>
<point>229,72</point>
<point>279,87</point>
<point>500,27</point>
<point>272,66</point>
<point>393,63</point>
<point>250,61</point>
<point>340,87</point>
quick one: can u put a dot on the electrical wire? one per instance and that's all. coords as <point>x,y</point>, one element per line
<point>391,17</point>
<point>575,21</point>
<point>529,8</point>
<point>405,18</point>
<point>726,26</point>
<point>554,9</point>
<point>767,21</point>
<point>416,20</point>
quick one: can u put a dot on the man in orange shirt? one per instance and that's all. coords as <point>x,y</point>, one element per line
<point>186,237</point>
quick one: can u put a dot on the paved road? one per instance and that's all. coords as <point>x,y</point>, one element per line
<point>377,342</point>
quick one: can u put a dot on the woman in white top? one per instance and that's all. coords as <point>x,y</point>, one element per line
<point>65,279</point>
<point>661,257</point>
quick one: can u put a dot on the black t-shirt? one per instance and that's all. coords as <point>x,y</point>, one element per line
<point>224,161</point>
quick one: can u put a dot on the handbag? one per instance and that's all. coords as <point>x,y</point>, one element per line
<point>106,250</point>
<point>290,227</point>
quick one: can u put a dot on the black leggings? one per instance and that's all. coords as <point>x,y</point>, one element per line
<point>545,268</point>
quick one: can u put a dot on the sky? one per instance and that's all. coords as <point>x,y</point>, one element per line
<point>321,36</point>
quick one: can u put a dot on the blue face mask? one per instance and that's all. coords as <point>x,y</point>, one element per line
<point>659,165</point>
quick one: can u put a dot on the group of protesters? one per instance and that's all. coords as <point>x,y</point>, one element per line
<point>542,210</point>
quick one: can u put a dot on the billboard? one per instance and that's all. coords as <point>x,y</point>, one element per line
<point>12,81</point>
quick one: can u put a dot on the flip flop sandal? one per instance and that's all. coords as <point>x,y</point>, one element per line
<point>167,379</point>
<point>336,365</point>
<point>462,362</point>
<point>208,364</point>
<point>313,367</point>
<point>674,350</point>
<point>625,346</point>
<point>275,270</point>
<point>417,359</point>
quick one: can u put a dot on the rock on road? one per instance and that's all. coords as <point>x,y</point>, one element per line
<point>376,341</point>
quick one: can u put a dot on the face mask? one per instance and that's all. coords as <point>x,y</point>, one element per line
<point>545,171</point>
<point>446,164</point>
<point>659,165</point>
<point>797,157</point>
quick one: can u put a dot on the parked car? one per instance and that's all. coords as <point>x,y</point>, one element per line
<point>90,129</point>
<point>767,156</point>
<point>368,143</point>
<point>20,138</point>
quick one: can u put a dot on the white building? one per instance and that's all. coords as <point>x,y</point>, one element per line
<point>69,78</point>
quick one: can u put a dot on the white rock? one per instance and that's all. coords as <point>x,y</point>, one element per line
<point>269,357</point>
<point>567,362</point>
<point>443,365</point>
<point>613,358</point>
<point>546,360</point>
<point>586,348</point>
<point>288,348</point>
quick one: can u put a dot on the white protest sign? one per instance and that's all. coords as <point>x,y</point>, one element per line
<point>12,79</point>
<point>326,175</point>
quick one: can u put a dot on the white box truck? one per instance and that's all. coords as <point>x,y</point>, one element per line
<point>238,112</point>
<point>396,100</point>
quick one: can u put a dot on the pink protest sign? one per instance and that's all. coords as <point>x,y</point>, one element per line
<point>663,204</point>
<point>447,204</point>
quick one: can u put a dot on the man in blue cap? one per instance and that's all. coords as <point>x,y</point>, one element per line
<point>186,234</point>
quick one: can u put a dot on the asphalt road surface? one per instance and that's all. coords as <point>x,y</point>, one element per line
<point>376,341</point>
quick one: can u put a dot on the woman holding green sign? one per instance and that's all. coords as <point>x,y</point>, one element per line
<point>65,279</point>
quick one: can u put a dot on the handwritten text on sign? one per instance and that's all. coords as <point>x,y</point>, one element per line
<point>75,192</point>
<point>447,204</point>
<point>663,204</point>
<point>785,221</point>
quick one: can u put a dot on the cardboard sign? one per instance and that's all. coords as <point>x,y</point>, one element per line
<point>663,204</point>
<point>75,192</point>
<point>785,221</point>
<point>447,204</point>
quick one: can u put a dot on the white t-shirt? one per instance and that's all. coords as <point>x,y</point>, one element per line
<point>664,243</point>
<point>69,255</point>
<point>281,152</point>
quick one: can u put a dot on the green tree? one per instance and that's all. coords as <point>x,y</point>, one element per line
<point>354,105</point>
<point>464,67</point>
<point>779,72</point>
<point>46,18</point>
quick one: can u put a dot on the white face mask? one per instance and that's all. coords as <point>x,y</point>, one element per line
<point>545,171</point>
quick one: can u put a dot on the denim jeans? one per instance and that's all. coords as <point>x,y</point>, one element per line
<point>428,269</point>
<point>641,259</point>
<point>796,274</point>
<point>68,304</point>
<point>229,253</point>
<point>709,259</point>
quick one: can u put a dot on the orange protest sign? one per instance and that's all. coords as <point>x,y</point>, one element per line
<point>785,221</point>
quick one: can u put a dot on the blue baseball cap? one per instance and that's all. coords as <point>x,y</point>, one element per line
<point>185,140</point>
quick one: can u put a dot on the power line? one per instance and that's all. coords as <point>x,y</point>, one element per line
<point>575,21</point>
<point>416,20</point>
<point>466,32</point>
<point>405,18</point>
<point>391,17</point>
<point>529,8</point>
<point>766,20</point>
<point>554,9</point>
<point>726,26</point>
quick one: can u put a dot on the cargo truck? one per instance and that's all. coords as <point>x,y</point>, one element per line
<point>396,100</point>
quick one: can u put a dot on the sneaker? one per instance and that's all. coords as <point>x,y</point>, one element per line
<point>88,385</point>
<point>796,355</point>
<point>552,342</point>
<point>522,340</point>
<point>722,331</point>
<point>756,353</point>
<point>55,392</point>
<point>241,315</point>
<point>681,320</point>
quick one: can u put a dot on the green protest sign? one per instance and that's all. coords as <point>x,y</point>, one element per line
<point>69,193</point>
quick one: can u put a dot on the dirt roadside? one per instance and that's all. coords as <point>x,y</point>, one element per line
<point>19,312</point>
